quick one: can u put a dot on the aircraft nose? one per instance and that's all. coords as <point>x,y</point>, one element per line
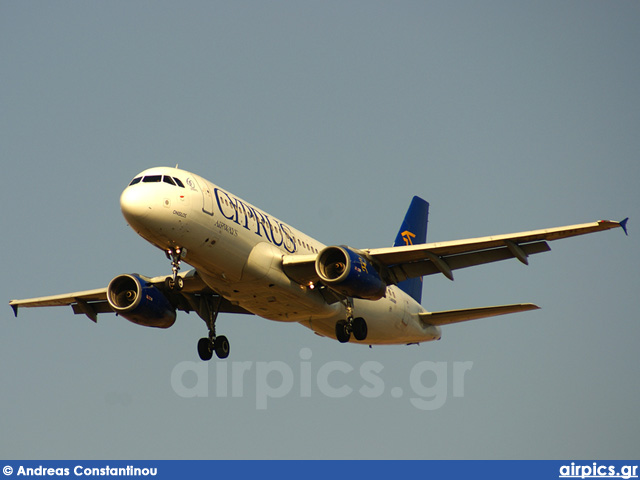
<point>134,205</point>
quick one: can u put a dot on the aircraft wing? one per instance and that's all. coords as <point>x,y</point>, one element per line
<point>400,263</point>
<point>93,302</point>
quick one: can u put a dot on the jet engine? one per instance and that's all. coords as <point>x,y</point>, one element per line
<point>347,272</point>
<point>140,302</point>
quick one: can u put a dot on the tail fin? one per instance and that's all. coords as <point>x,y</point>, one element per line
<point>413,231</point>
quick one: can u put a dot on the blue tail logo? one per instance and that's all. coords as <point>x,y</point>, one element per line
<point>413,231</point>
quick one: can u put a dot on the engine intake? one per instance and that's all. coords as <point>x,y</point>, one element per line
<point>347,272</point>
<point>140,302</point>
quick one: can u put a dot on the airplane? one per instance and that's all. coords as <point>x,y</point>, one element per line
<point>249,262</point>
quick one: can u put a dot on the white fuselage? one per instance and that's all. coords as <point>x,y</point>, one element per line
<point>237,249</point>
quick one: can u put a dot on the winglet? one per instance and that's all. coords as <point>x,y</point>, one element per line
<point>623,224</point>
<point>15,309</point>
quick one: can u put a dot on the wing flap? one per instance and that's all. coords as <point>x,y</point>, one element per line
<point>91,309</point>
<point>300,268</point>
<point>448,317</point>
<point>454,262</point>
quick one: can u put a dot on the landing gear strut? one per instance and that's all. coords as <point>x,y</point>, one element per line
<point>357,326</point>
<point>212,343</point>
<point>175,255</point>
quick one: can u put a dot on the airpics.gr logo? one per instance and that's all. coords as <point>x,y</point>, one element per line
<point>408,237</point>
<point>596,470</point>
<point>427,385</point>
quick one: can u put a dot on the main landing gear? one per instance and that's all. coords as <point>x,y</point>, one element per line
<point>175,282</point>
<point>357,326</point>
<point>207,306</point>
<point>212,343</point>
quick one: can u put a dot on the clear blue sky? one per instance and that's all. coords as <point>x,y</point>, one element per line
<point>506,116</point>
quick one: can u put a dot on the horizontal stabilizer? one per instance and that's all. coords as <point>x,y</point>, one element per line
<point>455,316</point>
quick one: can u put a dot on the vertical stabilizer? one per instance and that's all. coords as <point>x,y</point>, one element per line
<point>412,232</point>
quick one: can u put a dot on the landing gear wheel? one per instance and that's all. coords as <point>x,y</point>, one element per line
<point>205,350</point>
<point>208,309</point>
<point>176,285</point>
<point>221,346</point>
<point>359,328</point>
<point>342,331</point>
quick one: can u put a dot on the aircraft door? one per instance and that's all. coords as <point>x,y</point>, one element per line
<point>398,310</point>
<point>404,314</point>
<point>207,196</point>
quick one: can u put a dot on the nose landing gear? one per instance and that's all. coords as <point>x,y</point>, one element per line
<point>175,255</point>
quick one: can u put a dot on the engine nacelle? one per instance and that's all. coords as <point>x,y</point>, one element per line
<point>140,302</point>
<point>349,273</point>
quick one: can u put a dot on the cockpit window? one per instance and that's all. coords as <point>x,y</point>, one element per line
<point>157,179</point>
<point>152,179</point>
